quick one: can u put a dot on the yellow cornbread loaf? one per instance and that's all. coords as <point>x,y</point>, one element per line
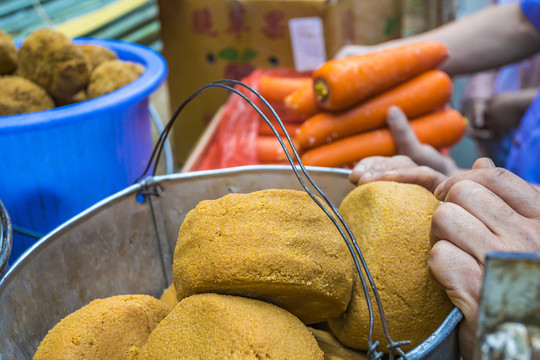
<point>391,223</point>
<point>216,327</point>
<point>112,328</point>
<point>272,245</point>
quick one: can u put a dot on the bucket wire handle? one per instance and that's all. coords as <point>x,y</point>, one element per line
<point>341,226</point>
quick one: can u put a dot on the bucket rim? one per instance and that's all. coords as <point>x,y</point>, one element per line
<point>154,75</point>
<point>445,330</point>
<point>6,233</point>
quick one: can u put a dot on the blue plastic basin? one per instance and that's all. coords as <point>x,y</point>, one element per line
<point>56,163</point>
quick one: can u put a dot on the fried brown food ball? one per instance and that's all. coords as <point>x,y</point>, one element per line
<point>391,223</point>
<point>97,54</point>
<point>272,245</point>
<point>217,327</point>
<point>112,328</point>
<point>19,96</point>
<point>51,60</point>
<point>8,54</point>
<point>78,97</point>
<point>112,75</point>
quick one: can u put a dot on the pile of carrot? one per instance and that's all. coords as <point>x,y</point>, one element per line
<point>275,88</point>
<point>337,116</point>
<point>341,108</point>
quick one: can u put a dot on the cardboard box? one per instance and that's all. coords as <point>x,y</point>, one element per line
<point>208,40</point>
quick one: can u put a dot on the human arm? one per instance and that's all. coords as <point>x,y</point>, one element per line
<point>485,209</point>
<point>492,37</point>
<point>417,163</point>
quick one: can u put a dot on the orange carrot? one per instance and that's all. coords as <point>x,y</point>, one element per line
<point>264,129</point>
<point>285,114</point>
<point>421,95</point>
<point>303,101</point>
<point>341,83</point>
<point>440,129</point>
<point>269,149</point>
<point>276,88</point>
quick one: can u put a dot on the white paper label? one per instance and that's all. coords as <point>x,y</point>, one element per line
<point>307,39</point>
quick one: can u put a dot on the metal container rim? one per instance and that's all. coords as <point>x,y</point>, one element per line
<point>6,233</point>
<point>435,339</point>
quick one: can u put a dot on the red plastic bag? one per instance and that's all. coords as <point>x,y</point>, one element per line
<point>235,141</point>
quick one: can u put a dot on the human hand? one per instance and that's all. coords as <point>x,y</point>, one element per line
<point>474,110</point>
<point>485,209</point>
<point>418,163</point>
<point>407,144</point>
<point>399,168</point>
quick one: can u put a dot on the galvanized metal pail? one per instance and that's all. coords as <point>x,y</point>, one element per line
<point>6,234</point>
<point>124,245</point>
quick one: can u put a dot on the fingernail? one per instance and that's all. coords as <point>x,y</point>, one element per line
<point>394,110</point>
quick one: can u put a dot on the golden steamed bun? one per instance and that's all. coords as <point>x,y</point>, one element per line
<point>112,328</point>
<point>273,245</point>
<point>391,223</point>
<point>217,327</point>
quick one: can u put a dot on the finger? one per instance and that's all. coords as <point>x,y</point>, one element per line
<point>466,336</point>
<point>510,230</point>
<point>483,163</point>
<point>479,111</point>
<point>453,223</point>
<point>402,133</point>
<point>516,192</point>
<point>420,175</point>
<point>484,205</point>
<point>460,275</point>
<point>377,165</point>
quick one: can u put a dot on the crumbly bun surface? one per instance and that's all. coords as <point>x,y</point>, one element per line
<point>112,328</point>
<point>272,245</point>
<point>391,223</point>
<point>218,327</point>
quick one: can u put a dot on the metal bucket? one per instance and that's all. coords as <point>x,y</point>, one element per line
<point>124,245</point>
<point>6,233</point>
